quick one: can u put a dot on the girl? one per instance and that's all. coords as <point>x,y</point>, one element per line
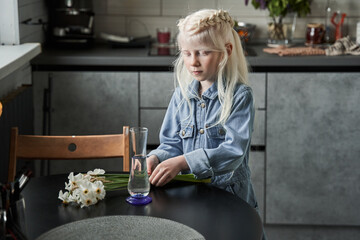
<point>208,125</point>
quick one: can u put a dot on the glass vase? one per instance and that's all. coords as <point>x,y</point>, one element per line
<point>139,185</point>
<point>281,30</point>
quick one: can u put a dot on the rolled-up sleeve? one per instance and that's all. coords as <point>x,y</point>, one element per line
<point>170,142</point>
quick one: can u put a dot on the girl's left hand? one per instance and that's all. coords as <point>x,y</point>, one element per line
<point>167,170</point>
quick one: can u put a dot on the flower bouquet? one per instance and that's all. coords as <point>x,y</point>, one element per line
<point>279,30</point>
<point>87,189</point>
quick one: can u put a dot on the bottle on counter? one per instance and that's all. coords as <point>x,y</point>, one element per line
<point>329,33</point>
<point>358,33</point>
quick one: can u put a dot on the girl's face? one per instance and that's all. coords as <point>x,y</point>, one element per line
<point>201,62</point>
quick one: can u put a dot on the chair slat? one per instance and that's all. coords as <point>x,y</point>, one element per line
<point>68,148</point>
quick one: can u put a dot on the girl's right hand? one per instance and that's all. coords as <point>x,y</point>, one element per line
<point>151,163</point>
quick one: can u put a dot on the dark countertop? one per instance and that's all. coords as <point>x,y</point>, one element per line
<point>103,57</point>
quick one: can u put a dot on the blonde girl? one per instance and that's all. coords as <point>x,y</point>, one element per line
<point>209,122</point>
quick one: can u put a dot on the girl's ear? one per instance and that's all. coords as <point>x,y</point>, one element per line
<point>229,48</point>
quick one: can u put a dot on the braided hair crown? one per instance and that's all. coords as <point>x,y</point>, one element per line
<point>204,19</point>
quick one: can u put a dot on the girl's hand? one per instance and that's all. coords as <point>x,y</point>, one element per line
<point>167,170</point>
<point>151,163</point>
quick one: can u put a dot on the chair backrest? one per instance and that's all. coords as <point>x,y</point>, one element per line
<point>68,147</point>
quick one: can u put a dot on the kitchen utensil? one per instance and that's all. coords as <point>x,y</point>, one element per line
<point>338,25</point>
<point>314,33</point>
<point>163,35</point>
<point>245,31</point>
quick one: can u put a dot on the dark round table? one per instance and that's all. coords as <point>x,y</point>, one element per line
<point>214,213</point>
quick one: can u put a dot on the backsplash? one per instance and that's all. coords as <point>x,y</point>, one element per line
<point>142,17</point>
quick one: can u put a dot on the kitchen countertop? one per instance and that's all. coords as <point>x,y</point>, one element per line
<point>13,57</point>
<point>103,57</point>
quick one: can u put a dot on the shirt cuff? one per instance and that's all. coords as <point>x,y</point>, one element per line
<point>199,164</point>
<point>160,154</point>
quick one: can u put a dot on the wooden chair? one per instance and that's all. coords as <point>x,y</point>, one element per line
<point>68,147</point>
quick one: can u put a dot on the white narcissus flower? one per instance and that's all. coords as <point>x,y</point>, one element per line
<point>86,177</point>
<point>68,186</point>
<point>87,199</point>
<point>75,196</point>
<point>85,187</point>
<point>64,197</point>
<point>97,171</point>
<point>99,189</point>
<point>74,180</point>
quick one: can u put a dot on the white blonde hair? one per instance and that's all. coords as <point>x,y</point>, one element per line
<point>214,28</point>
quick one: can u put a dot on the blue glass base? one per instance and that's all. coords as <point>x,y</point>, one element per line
<point>139,201</point>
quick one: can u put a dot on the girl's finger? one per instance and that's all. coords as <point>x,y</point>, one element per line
<point>163,180</point>
<point>155,176</point>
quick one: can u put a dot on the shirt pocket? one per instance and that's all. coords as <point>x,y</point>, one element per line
<point>187,131</point>
<point>216,132</point>
<point>216,135</point>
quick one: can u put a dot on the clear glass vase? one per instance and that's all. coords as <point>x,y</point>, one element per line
<point>281,30</point>
<point>139,185</point>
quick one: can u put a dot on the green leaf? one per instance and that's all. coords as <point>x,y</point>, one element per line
<point>280,8</point>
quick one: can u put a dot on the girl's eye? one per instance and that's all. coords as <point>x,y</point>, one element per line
<point>204,53</point>
<point>186,53</point>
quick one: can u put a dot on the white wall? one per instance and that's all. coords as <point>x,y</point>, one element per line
<point>142,17</point>
<point>34,10</point>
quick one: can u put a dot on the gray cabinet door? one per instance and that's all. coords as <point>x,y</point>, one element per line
<point>156,89</point>
<point>313,149</point>
<point>257,167</point>
<point>94,102</point>
<point>257,82</point>
<point>85,103</point>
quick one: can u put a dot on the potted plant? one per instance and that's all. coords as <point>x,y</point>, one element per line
<point>279,31</point>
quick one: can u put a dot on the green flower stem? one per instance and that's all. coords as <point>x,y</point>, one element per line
<point>190,178</point>
<point>120,181</point>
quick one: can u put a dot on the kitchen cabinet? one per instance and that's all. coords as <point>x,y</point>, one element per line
<point>312,148</point>
<point>85,103</point>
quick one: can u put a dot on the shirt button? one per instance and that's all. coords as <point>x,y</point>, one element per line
<point>203,105</point>
<point>183,132</point>
<point>201,131</point>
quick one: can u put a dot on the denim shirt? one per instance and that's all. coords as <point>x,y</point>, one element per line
<point>215,151</point>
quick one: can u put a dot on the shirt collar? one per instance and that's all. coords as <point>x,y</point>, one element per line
<point>210,93</point>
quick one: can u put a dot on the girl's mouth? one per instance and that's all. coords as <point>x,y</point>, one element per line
<point>197,72</point>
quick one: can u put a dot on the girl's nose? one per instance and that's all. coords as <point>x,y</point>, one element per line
<point>194,61</point>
